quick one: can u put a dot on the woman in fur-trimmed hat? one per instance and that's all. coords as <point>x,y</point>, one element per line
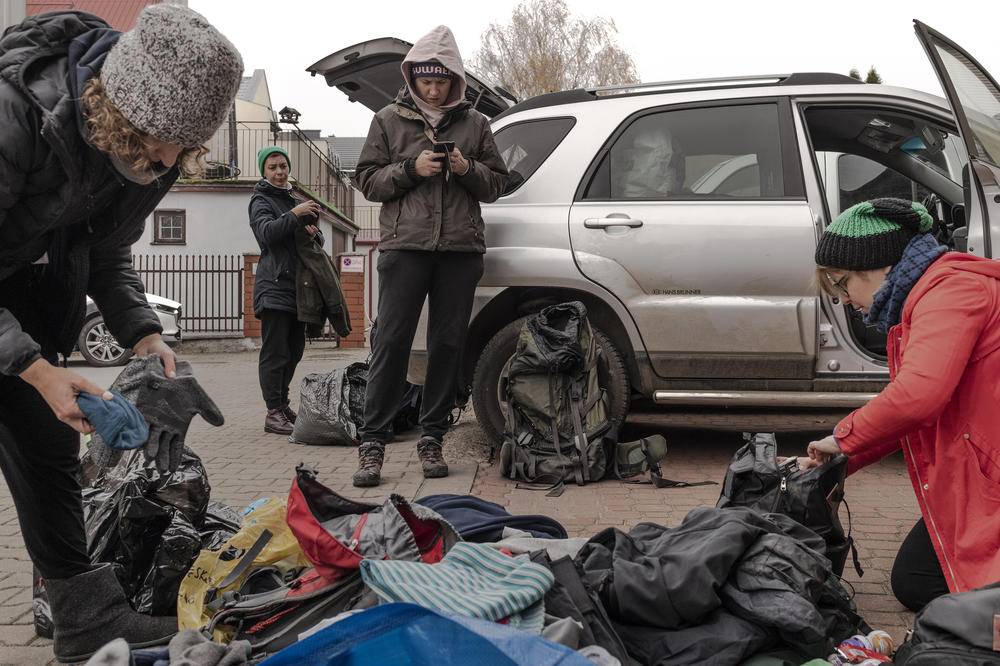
<point>95,126</point>
<point>941,311</point>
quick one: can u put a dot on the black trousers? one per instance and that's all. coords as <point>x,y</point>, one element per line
<point>39,454</point>
<point>917,577</point>
<point>448,281</point>
<point>283,339</point>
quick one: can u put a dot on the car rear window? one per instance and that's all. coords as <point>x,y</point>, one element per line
<point>524,146</point>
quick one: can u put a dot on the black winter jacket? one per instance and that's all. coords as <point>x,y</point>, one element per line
<point>60,198</point>
<point>719,587</point>
<point>273,224</point>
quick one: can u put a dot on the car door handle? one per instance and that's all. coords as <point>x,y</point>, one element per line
<point>613,220</point>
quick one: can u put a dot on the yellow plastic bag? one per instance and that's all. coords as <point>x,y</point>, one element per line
<point>201,585</point>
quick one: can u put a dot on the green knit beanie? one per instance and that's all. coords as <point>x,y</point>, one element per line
<point>267,151</point>
<point>872,234</point>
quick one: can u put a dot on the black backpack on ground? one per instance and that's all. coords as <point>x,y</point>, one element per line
<point>557,416</point>
<point>811,497</point>
<point>961,629</point>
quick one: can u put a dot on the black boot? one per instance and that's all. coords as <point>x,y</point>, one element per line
<point>431,459</point>
<point>371,455</point>
<point>90,609</point>
<point>288,412</point>
<point>277,422</point>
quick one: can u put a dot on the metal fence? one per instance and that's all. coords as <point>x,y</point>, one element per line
<point>209,287</point>
<point>366,217</point>
<point>233,155</point>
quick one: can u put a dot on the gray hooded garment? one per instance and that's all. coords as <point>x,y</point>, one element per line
<point>421,213</point>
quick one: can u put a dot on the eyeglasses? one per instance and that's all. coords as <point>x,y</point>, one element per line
<point>840,284</point>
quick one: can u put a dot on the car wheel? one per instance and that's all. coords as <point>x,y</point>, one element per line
<point>99,347</point>
<point>490,378</point>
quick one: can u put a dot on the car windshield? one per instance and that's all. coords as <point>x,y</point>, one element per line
<point>946,160</point>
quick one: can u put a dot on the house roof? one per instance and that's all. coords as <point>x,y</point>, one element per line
<point>249,84</point>
<point>120,14</point>
<point>347,149</point>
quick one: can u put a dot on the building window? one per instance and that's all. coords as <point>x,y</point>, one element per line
<point>169,227</point>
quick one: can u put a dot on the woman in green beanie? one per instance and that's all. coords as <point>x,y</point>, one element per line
<point>274,216</point>
<point>941,311</point>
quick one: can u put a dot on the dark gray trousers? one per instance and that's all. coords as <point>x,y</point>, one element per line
<point>448,281</point>
<point>282,341</point>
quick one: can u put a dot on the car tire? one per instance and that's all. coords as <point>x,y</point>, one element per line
<point>491,373</point>
<point>98,347</point>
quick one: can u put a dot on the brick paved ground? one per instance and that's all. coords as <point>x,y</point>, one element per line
<point>244,464</point>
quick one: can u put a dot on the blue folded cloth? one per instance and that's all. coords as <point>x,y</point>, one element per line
<point>117,421</point>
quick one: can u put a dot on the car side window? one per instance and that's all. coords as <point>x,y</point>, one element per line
<point>720,152</point>
<point>525,146</point>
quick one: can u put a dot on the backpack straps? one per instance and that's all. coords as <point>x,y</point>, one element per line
<point>213,603</point>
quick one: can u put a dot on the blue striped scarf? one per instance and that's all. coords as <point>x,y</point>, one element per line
<point>472,579</point>
<point>887,307</point>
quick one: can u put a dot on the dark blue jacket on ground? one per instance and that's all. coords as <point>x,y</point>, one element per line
<point>480,521</point>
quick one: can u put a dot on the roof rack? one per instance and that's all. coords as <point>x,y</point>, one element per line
<point>628,89</point>
<point>801,78</point>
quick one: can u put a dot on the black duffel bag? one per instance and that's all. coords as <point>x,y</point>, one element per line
<point>811,497</point>
<point>961,629</point>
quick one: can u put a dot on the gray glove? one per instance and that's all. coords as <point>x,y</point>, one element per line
<point>168,405</point>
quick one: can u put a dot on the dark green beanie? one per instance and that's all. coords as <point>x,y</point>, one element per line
<point>266,152</point>
<point>872,234</point>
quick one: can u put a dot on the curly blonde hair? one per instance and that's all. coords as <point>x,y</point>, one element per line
<point>109,131</point>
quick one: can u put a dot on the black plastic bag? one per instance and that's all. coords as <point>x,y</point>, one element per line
<point>220,524</point>
<point>331,407</point>
<point>146,523</point>
<point>811,497</point>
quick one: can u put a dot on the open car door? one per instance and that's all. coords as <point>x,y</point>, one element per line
<point>368,72</point>
<point>975,100</point>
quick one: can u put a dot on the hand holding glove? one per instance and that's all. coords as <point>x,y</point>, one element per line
<point>168,405</point>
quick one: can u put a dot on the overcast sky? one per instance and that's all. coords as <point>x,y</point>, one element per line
<point>668,40</point>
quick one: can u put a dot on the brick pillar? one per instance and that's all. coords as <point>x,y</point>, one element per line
<point>251,325</point>
<point>353,270</point>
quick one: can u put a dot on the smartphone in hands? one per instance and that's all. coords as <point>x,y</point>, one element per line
<point>445,147</point>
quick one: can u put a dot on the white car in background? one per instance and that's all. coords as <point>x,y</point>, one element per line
<point>98,347</point>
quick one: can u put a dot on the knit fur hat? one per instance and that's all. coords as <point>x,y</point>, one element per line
<point>266,152</point>
<point>872,234</point>
<point>173,75</point>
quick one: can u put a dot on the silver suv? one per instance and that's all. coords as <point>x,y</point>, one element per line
<point>685,216</point>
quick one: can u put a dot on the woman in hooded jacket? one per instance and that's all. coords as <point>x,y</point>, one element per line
<point>941,311</point>
<point>432,241</point>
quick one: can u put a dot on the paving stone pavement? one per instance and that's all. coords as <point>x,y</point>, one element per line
<point>244,464</point>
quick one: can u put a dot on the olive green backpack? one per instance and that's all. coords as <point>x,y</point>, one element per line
<point>557,416</point>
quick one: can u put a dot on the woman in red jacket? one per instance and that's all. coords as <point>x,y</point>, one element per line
<point>941,311</point>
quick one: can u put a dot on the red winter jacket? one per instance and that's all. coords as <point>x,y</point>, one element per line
<point>942,406</point>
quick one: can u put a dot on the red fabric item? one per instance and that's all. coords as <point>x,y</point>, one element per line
<point>336,533</point>
<point>942,407</point>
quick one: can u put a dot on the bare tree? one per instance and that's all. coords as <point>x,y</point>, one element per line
<point>544,49</point>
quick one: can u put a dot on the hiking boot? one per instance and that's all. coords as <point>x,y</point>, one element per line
<point>371,455</point>
<point>90,609</point>
<point>429,452</point>
<point>288,412</point>
<point>277,422</point>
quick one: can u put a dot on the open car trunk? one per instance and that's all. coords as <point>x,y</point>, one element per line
<point>368,72</point>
